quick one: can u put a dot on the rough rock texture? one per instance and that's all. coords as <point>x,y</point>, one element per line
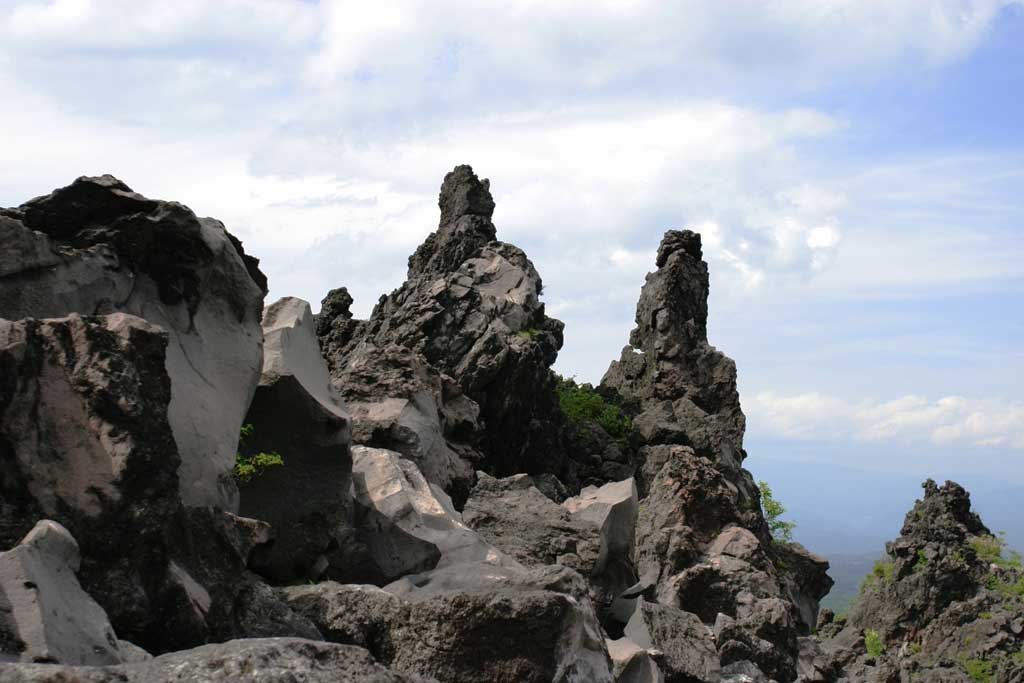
<point>613,508</point>
<point>48,617</point>
<point>469,311</point>
<point>702,543</point>
<point>468,622</point>
<point>86,440</point>
<point>297,413</point>
<point>515,516</point>
<point>97,247</point>
<point>947,604</point>
<point>634,664</point>
<point>687,646</point>
<point>274,660</point>
<point>408,524</point>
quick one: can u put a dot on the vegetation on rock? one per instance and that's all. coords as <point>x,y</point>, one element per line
<point>249,466</point>
<point>781,530</point>
<point>581,403</point>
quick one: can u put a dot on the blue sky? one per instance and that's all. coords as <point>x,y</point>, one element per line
<point>855,169</point>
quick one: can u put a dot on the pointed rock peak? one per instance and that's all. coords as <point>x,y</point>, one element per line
<point>679,241</point>
<point>463,194</point>
<point>943,514</point>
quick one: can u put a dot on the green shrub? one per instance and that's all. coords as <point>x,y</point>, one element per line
<point>873,643</point>
<point>580,404</point>
<point>987,548</point>
<point>781,530</point>
<point>977,669</point>
<point>921,562</point>
<point>528,333</point>
<point>881,572</point>
<point>249,466</point>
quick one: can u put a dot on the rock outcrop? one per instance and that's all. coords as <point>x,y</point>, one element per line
<point>297,414</point>
<point>44,612</point>
<point>702,544</point>
<point>465,349</point>
<point>96,247</point>
<point>944,604</point>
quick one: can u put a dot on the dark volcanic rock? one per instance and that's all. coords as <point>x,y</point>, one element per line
<point>297,414</point>
<point>470,313</point>
<point>702,542</point>
<point>275,660</point>
<point>96,247</point>
<point>945,605</point>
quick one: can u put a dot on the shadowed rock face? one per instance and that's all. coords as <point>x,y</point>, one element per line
<point>298,414</point>
<point>97,247</point>
<point>470,332</point>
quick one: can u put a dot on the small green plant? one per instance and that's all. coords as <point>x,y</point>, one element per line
<point>987,548</point>
<point>921,562</point>
<point>915,648</point>
<point>528,333</point>
<point>985,615</point>
<point>873,643</point>
<point>977,669</point>
<point>781,530</point>
<point>581,403</point>
<point>249,466</point>
<point>881,572</point>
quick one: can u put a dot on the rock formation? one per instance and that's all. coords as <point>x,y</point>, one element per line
<point>297,414</point>
<point>946,603</point>
<point>702,544</point>
<point>96,247</point>
<point>481,529</point>
<point>452,368</point>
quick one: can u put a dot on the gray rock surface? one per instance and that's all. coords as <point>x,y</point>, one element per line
<point>97,247</point>
<point>613,508</point>
<point>470,311</point>
<point>271,660</point>
<point>298,414</point>
<point>634,664</point>
<point>687,646</point>
<point>408,524</point>
<point>45,611</point>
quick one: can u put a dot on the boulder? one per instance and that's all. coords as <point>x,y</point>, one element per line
<point>297,414</point>
<point>45,610</point>
<point>97,247</point>
<point>613,508</point>
<point>634,664</point>
<point>687,646</point>
<point>470,310</point>
<point>515,516</point>
<point>408,524</point>
<point>270,660</point>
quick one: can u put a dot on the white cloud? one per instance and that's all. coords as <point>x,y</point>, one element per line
<point>950,420</point>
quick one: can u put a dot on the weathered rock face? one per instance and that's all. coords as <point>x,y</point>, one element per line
<point>687,646</point>
<point>271,660</point>
<point>468,622</point>
<point>86,441</point>
<point>471,311</point>
<point>45,612</point>
<point>298,414</point>
<point>408,524</point>
<point>945,605</point>
<point>97,247</point>
<point>702,543</point>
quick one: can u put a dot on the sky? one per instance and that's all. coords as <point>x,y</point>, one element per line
<point>854,167</point>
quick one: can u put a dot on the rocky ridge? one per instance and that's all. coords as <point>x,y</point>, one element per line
<point>423,505</point>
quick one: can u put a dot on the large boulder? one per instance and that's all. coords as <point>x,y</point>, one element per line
<point>273,660</point>
<point>471,311</point>
<point>408,524</point>
<point>45,613</point>
<point>687,646</point>
<point>298,414</point>
<point>97,247</point>
<point>87,442</point>
<point>613,508</point>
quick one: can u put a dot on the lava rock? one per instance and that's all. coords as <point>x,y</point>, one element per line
<point>296,413</point>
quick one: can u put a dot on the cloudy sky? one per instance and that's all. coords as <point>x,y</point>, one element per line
<point>855,168</point>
